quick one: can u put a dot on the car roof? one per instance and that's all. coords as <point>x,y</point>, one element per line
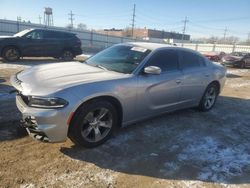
<point>149,45</point>
<point>154,46</point>
<point>41,29</point>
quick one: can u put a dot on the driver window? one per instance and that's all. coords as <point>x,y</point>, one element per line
<point>35,35</point>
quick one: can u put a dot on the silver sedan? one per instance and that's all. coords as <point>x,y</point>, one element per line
<point>125,83</point>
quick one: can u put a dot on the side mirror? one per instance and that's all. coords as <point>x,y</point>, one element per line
<point>28,37</point>
<point>152,70</point>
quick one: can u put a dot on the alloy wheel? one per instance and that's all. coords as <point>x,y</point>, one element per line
<point>67,55</point>
<point>12,54</point>
<point>210,97</point>
<point>97,125</point>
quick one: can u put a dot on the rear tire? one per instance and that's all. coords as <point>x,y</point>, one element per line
<point>209,97</point>
<point>243,65</point>
<point>11,54</point>
<point>93,124</point>
<point>67,55</point>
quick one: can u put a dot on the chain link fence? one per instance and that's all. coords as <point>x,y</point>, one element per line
<point>93,42</point>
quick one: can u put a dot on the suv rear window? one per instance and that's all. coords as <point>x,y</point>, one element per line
<point>57,35</point>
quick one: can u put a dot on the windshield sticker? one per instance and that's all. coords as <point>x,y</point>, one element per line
<point>138,49</point>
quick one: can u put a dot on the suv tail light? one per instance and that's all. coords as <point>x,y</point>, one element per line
<point>78,41</point>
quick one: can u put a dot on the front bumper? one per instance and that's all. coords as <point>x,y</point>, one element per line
<point>231,63</point>
<point>43,124</point>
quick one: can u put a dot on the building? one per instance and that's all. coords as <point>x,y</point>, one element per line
<point>144,33</point>
<point>112,32</point>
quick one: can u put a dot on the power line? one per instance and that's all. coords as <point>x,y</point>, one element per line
<point>133,21</point>
<point>184,28</point>
<point>205,26</point>
<point>71,19</point>
<point>225,19</point>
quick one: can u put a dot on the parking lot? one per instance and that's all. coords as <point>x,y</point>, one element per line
<point>184,148</point>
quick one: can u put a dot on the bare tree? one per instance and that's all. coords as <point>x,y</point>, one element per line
<point>127,32</point>
<point>69,26</point>
<point>82,26</point>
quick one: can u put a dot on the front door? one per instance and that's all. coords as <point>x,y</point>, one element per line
<point>33,44</point>
<point>159,93</point>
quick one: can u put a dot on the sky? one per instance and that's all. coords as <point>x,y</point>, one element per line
<point>205,17</point>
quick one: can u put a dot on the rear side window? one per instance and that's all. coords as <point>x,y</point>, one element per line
<point>54,35</point>
<point>191,60</point>
<point>69,35</point>
<point>167,60</point>
<point>50,35</point>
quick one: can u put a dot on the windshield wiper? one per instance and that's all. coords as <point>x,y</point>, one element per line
<point>93,65</point>
<point>100,66</point>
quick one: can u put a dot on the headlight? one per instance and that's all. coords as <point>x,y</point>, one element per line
<point>44,102</point>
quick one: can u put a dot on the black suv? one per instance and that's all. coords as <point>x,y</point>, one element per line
<point>40,43</point>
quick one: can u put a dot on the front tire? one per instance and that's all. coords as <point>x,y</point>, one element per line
<point>11,54</point>
<point>93,124</point>
<point>209,97</point>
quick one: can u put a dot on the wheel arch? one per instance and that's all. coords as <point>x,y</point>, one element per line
<point>11,45</point>
<point>217,83</point>
<point>117,104</point>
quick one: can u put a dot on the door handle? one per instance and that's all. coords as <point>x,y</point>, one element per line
<point>178,81</point>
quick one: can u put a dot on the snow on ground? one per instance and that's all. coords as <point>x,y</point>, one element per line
<point>235,84</point>
<point>78,178</point>
<point>85,55</point>
<point>234,78</point>
<point>219,161</point>
<point>13,66</point>
<point>237,71</point>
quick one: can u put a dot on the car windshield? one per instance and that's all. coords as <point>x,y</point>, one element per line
<point>22,33</point>
<point>119,58</point>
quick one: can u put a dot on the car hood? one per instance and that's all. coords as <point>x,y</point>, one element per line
<point>6,37</point>
<point>46,79</point>
<point>232,58</point>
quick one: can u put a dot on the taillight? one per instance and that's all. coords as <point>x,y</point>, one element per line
<point>78,41</point>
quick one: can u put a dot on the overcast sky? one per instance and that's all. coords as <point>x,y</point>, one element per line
<point>206,17</point>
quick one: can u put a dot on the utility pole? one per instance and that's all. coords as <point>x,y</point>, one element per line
<point>133,21</point>
<point>40,19</point>
<point>225,34</point>
<point>19,19</point>
<point>71,19</point>
<point>184,29</point>
<point>248,38</point>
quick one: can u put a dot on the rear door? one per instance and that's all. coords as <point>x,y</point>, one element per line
<point>158,93</point>
<point>54,43</point>
<point>196,76</point>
